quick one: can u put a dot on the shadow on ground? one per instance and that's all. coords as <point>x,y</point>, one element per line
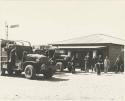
<point>62,74</point>
<point>38,78</point>
<point>53,79</point>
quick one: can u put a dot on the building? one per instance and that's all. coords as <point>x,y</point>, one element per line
<point>94,44</point>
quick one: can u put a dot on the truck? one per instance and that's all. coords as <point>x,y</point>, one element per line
<point>18,56</point>
<point>60,58</point>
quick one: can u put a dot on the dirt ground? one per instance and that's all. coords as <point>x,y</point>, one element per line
<point>64,86</point>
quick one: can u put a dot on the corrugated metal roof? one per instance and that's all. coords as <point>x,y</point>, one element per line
<point>90,39</point>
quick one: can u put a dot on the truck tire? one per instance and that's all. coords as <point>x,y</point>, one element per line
<point>2,72</point>
<point>30,72</point>
<point>10,72</point>
<point>48,73</point>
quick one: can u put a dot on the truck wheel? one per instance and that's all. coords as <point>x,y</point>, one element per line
<point>48,73</point>
<point>10,72</point>
<point>30,72</point>
<point>2,72</point>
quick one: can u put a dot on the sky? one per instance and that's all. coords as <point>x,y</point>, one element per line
<point>46,21</point>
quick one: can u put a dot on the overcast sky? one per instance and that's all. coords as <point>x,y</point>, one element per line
<point>46,21</point>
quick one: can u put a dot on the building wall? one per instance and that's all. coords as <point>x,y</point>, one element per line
<point>114,52</point>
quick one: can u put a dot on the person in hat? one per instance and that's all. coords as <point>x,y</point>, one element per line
<point>87,62</point>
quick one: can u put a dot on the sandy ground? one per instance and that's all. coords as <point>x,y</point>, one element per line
<point>64,86</point>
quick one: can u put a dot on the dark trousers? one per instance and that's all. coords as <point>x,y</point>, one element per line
<point>87,67</point>
<point>93,67</point>
<point>117,68</point>
<point>99,66</point>
<point>73,69</point>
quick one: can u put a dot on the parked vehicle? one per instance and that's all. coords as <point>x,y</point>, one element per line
<point>61,59</point>
<point>17,57</point>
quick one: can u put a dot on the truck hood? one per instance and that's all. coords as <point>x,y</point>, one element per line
<point>38,56</point>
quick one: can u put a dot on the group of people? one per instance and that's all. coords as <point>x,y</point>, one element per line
<point>97,63</point>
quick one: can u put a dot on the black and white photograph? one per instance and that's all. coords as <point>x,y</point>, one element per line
<point>62,50</point>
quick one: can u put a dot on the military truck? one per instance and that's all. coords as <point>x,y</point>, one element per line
<point>58,56</point>
<point>17,57</point>
<point>61,59</point>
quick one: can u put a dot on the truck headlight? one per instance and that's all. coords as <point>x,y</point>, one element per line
<point>37,60</point>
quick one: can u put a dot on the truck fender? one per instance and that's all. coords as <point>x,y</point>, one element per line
<point>28,63</point>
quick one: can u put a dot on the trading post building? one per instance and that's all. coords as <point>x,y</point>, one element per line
<point>94,44</point>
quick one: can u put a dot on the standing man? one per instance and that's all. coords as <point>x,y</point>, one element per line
<point>94,62</point>
<point>117,64</point>
<point>87,62</point>
<point>99,64</point>
<point>12,59</point>
<point>12,55</point>
<point>106,64</point>
<point>73,64</point>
